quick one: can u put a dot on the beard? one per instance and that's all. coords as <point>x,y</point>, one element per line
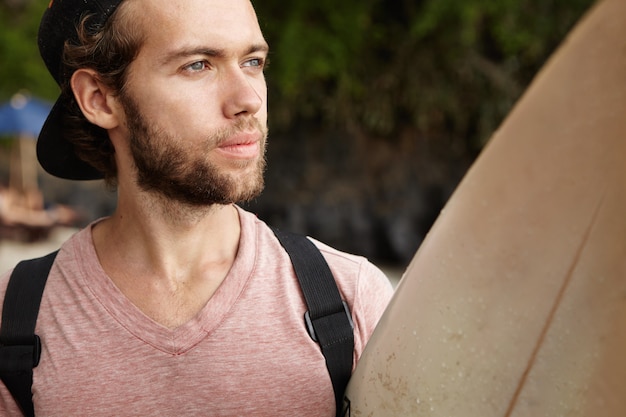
<point>167,166</point>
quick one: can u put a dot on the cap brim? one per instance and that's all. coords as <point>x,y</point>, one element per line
<point>56,155</point>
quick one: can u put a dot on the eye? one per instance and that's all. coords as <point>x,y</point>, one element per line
<point>255,62</point>
<point>197,66</point>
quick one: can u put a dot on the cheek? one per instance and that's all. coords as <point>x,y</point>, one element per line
<point>180,114</point>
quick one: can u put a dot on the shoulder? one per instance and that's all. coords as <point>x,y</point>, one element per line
<point>364,286</point>
<point>26,270</point>
<point>352,269</point>
<point>352,272</point>
<point>81,238</point>
<point>356,277</point>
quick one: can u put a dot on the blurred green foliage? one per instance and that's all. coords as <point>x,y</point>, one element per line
<point>441,67</point>
<point>21,67</point>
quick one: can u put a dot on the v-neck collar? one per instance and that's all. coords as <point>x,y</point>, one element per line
<point>179,340</point>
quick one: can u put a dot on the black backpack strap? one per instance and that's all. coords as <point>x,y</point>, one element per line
<point>20,347</point>
<point>328,319</point>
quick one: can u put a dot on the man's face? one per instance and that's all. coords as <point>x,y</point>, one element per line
<point>196,101</point>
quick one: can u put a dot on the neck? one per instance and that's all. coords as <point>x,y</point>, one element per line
<point>166,240</point>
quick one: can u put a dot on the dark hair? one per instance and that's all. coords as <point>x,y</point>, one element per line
<point>109,51</point>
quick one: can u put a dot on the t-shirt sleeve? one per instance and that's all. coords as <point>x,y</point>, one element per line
<point>373,292</point>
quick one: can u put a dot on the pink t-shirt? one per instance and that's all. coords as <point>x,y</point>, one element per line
<point>246,353</point>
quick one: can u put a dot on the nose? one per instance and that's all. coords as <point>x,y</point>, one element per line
<point>243,94</point>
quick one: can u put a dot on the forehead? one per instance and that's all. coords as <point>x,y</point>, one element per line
<point>168,25</point>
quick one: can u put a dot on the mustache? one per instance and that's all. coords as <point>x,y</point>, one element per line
<point>241,125</point>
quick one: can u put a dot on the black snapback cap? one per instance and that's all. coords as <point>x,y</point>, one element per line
<point>58,26</point>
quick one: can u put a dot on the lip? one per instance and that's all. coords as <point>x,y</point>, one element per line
<point>241,146</point>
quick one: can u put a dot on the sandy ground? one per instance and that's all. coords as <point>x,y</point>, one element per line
<point>12,252</point>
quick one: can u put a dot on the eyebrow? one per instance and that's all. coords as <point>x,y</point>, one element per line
<point>211,52</point>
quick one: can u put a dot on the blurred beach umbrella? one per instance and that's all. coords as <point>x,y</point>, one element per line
<point>22,118</point>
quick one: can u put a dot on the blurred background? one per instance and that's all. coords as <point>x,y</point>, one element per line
<point>377,109</point>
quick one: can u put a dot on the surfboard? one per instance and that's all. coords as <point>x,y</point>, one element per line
<point>515,303</point>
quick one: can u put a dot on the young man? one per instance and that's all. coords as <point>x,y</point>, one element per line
<point>180,303</point>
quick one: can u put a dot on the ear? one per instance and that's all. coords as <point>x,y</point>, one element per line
<point>95,100</point>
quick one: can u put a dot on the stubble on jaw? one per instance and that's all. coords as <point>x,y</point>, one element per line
<point>182,182</point>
